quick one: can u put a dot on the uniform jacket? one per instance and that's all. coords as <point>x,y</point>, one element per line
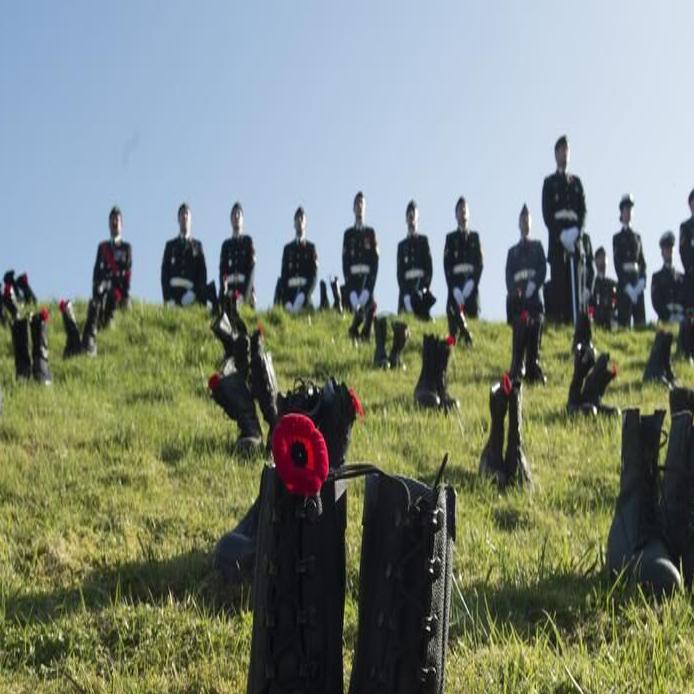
<point>183,264</point>
<point>414,267</point>
<point>561,191</point>
<point>360,259</point>
<point>112,267</point>
<point>628,257</point>
<point>462,258</point>
<point>237,264</point>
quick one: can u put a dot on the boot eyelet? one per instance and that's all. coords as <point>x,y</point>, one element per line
<point>434,568</point>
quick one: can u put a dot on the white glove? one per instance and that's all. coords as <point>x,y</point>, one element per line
<point>640,286</point>
<point>530,289</point>
<point>586,296</point>
<point>458,296</point>
<point>363,297</point>
<point>354,300</point>
<point>299,300</point>
<point>188,298</point>
<point>289,307</point>
<point>631,293</point>
<point>568,238</point>
<point>467,288</point>
<point>407,301</point>
<point>170,303</point>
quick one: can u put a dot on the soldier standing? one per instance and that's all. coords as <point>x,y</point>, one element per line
<point>564,213</point>
<point>299,268</point>
<point>687,255</point>
<point>603,299</point>
<point>462,262</point>
<point>631,268</point>
<point>237,262</point>
<point>667,285</point>
<point>183,268</point>
<point>414,269</point>
<point>360,268</point>
<point>113,265</point>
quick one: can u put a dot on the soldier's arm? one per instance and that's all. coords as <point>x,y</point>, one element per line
<point>642,262</point>
<point>201,276</point>
<point>284,270</point>
<point>448,263</point>
<point>581,211</point>
<point>685,248</point>
<point>541,266</point>
<point>547,211</point>
<point>617,255</point>
<point>428,270</point>
<point>312,273</point>
<point>222,267</point>
<point>97,274</point>
<point>127,271</point>
<point>655,299</point>
<point>400,269</point>
<point>165,264</point>
<point>509,272</point>
<point>590,267</point>
<point>479,264</point>
<point>371,280</point>
<point>248,281</point>
<point>345,257</point>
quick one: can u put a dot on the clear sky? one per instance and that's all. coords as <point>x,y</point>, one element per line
<point>276,103</point>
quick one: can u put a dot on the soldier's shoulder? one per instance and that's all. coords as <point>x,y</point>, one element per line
<point>171,242</point>
<point>450,236</point>
<point>403,243</point>
<point>551,179</point>
<point>475,236</point>
<point>573,178</point>
<point>247,240</point>
<point>197,244</point>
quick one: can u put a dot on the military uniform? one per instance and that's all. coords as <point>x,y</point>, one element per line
<point>525,263</point>
<point>687,257</point>
<point>462,262</point>
<point>667,292</point>
<point>563,207</point>
<point>414,268</point>
<point>112,270</point>
<point>183,268</point>
<point>360,261</point>
<point>603,301</point>
<point>299,270</point>
<point>237,267</point>
<point>631,270</point>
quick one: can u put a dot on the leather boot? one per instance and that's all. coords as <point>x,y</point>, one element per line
<point>600,376</point>
<point>448,402</point>
<point>583,332</point>
<point>519,339</point>
<point>90,329</point>
<point>685,340</point>
<point>9,298</point>
<point>492,458</point>
<point>263,380</point>
<point>515,462</point>
<point>370,312</point>
<point>234,554</point>
<point>24,291</point>
<point>457,323</point>
<point>584,359</point>
<point>357,320</point>
<point>669,375</point>
<point>381,334</point>
<point>233,335</point>
<point>533,370</point>
<point>404,586</point>
<point>422,303</point>
<point>658,366</point>
<point>324,303</point>
<point>20,343</point>
<point>681,400</point>
<point>401,334</point>
<point>337,294</point>
<point>39,351</point>
<point>73,341</point>
<point>425,392</point>
<point>635,543</point>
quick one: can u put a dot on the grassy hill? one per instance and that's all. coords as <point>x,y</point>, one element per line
<point>116,482</point>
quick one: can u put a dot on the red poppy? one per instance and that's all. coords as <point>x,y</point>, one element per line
<point>506,384</point>
<point>613,369</point>
<point>524,316</point>
<point>127,274</point>
<point>261,329</point>
<point>356,403</point>
<point>7,291</point>
<point>117,295</point>
<point>591,312</point>
<point>300,454</point>
<point>43,313</point>
<point>213,382</point>
<point>23,279</point>
<point>62,305</point>
<point>450,341</point>
<point>235,296</point>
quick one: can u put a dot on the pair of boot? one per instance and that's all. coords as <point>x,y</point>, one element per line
<point>659,366</point>
<point>401,333</point>
<point>75,343</point>
<point>589,382</point>
<point>422,303</point>
<point>362,322</point>
<point>32,363</point>
<point>525,349</point>
<point>247,376</point>
<point>652,532</point>
<point>16,291</point>
<point>431,390</point>
<point>457,323</point>
<point>512,468</point>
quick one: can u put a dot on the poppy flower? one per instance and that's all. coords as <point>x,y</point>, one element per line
<point>524,316</point>
<point>591,312</point>
<point>300,454</point>
<point>117,295</point>
<point>261,329</point>
<point>213,382</point>
<point>506,384</point>
<point>236,295</point>
<point>7,291</point>
<point>43,313</point>
<point>613,369</point>
<point>62,305</point>
<point>23,280</point>
<point>450,340</point>
<point>356,403</point>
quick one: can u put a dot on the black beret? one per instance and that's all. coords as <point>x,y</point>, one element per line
<point>561,142</point>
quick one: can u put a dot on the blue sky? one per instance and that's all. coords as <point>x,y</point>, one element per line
<point>146,104</point>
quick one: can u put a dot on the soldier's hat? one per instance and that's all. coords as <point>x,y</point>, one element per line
<point>524,211</point>
<point>627,199</point>
<point>237,206</point>
<point>600,251</point>
<point>357,196</point>
<point>561,142</point>
<point>667,239</point>
<point>691,195</point>
<point>300,212</point>
<point>411,206</point>
<point>184,206</point>
<point>115,212</point>
<point>461,200</point>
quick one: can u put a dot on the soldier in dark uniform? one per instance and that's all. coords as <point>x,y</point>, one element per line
<point>526,267</point>
<point>631,268</point>
<point>564,212</point>
<point>462,263</point>
<point>603,300</point>
<point>299,268</point>
<point>687,255</point>
<point>414,269</point>
<point>667,285</point>
<point>183,268</point>
<point>237,262</point>
<point>360,268</point>
<point>113,265</point>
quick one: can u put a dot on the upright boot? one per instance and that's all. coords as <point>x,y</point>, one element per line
<point>73,341</point>
<point>324,303</point>
<point>457,324</point>
<point>534,373</point>
<point>519,339</point>
<point>584,359</point>
<point>9,300</point>
<point>26,294</point>
<point>107,309</point>
<point>231,393</point>
<point>405,583</point>
<point>357,320</point>
<point>212,297</point>
<point>492,458</point>
<point>685,340</point>
<point>448,402</point>
<point>635,543</point>
<point>658,366</point>
<point>263,380</point>
<point>370,312</point>
<point>337,294</point>
<point>426,392</point>
<point>422,303</point>
<point>671,378</point>
<point>583,332</point>
<point>381,333</point>
<point>39,351</point>
<point>234,554</point>
<point>600,376</point>
<point>233,335</point>
<point>681,400</point>
<point>90,329</point>
<point>20,343</point>
<point>515,462</point>
<point>401,334</point>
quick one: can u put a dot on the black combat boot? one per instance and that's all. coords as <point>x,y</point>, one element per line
<point>681,400</point>
<point>425,392</point>
<point>515,462</point>
<point>600,376</point>
<point>231,393</point>
<point>263,380</point>
<point>635,542</point>
<point>448,402</point>
<point>519,340</point>
<point>90,329</point>
<point>492,458</point>
<point>9,298</point>
<point>404,587</point>
<point>20,343</point>
<point>234,555</point>
<point>233,335</point>
<point>667,348</point>
<point>337,294</point>
<point>369,314</point>
<point>685,340</point>
<point>73,341</point>
<point>357,320</point>
<point>24,291</point>
<point>401,334</point>
<point>324,303</point>
<point>457,324</point>
<point>107,309</point>
<point>658,366</point>
<point>422,303</point>
<point>39,347</point>
<point>583,332</point>
<point>584,359</point>
<point>381,334</point>
<point>533,370</point>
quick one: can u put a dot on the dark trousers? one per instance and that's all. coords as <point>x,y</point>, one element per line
<point>560,309</point>
<point>688,291</point>
<point>626,310</point>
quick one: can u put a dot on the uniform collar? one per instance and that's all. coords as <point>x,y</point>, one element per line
<point>465,231</point>
<point>626,227</point>
<point>117,241</point>
<point>300,242</point>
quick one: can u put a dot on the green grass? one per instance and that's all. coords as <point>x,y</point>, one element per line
<point>116,482</point>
